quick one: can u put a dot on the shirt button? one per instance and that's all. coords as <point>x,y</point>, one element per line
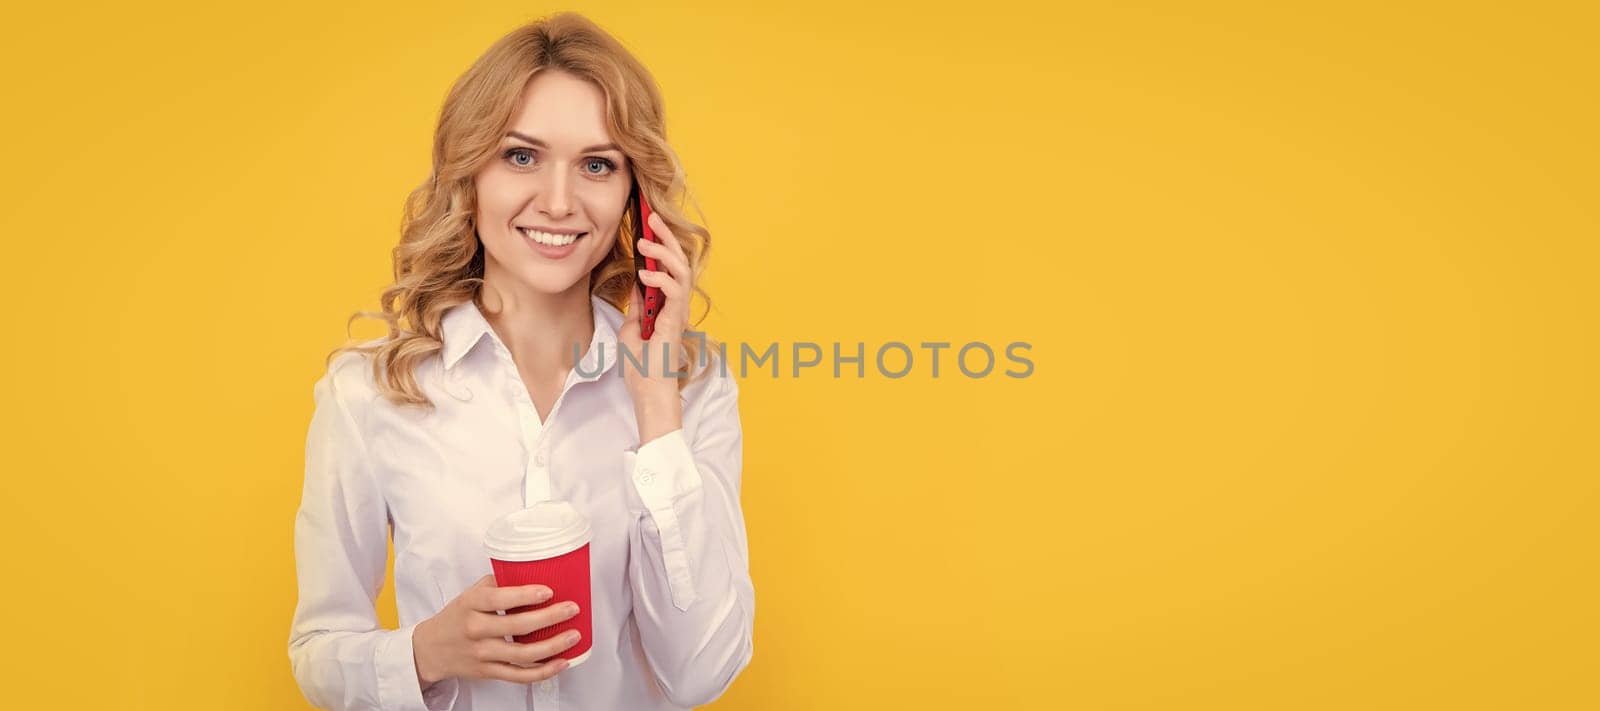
<point>539,458</point>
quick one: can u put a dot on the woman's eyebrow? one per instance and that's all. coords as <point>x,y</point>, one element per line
<point>542,144</point>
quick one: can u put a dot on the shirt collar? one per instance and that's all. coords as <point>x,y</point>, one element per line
<point>463,326</point>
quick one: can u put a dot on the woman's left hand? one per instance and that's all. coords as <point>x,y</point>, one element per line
<point>656,402</point>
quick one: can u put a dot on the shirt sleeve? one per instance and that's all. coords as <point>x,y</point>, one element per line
<point>689,566</point>
<point>339,655</point>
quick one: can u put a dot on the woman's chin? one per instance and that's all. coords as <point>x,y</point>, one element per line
<point>551,278</point>
<point>542,275</point>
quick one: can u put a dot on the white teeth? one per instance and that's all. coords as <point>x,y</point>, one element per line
<point>547,238</point>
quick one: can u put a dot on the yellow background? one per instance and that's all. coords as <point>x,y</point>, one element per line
<point>1310,292</point>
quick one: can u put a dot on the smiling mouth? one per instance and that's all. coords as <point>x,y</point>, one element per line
<point>551,240</point>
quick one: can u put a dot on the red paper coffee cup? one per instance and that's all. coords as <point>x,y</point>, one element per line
<point>546,544</point>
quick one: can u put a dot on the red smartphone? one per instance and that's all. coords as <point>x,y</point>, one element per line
<point>653,298</point>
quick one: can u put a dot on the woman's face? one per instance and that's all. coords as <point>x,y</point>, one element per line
<point>554,175</point>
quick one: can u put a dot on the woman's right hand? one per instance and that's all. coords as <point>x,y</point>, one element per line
<point>466,638</point>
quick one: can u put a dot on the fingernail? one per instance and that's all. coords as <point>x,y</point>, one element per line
<point>572,608</point>
<point>541,596</point>
<point>573,635</point>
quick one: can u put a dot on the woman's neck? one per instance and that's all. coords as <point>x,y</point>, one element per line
<point>539,328</point>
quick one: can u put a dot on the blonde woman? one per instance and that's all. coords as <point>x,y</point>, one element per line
<point>501,383</point>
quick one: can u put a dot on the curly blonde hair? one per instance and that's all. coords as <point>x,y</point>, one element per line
<point>439,261</point>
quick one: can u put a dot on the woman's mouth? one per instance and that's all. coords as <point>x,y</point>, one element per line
<point>549,244</point>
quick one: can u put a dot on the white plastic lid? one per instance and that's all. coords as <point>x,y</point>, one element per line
<point>544,530</point>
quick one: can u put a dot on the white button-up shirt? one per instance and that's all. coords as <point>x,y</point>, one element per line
<point>673,605</point>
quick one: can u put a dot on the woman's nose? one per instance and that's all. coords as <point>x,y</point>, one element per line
<point>554,196</point>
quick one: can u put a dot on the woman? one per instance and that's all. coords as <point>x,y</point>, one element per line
<point>500,384</point>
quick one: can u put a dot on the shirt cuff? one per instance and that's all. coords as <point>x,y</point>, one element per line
<point>664,475</point>
<point>663,470</point>
<point>398,686</point>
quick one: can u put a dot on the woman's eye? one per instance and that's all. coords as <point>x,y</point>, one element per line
<point>523,158</point>
<point>517,154</point>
